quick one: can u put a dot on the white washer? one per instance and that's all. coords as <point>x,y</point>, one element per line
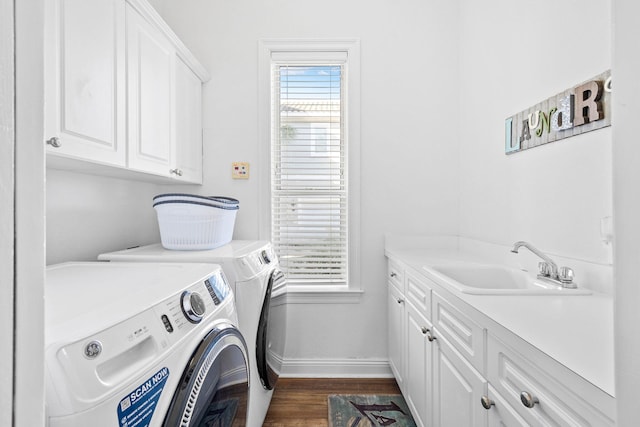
<point>253,272</point>
<point>139,344</point>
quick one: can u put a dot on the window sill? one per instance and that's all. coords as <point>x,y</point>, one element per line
<point>301,294</point>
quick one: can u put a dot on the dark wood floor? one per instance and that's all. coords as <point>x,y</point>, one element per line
<point>302,402</point>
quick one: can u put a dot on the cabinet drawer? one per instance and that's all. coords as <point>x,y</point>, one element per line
<point>555,394</point>
<point>418,293</point>
<point>395,274</point>
<point>463,333</point>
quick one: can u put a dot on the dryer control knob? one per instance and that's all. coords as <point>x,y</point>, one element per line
<point>192,306</point>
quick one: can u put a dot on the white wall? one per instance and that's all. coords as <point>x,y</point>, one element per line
<point>514,55</point>
<point>626,176</point>
<point>88,215</point>
<point>408,133</point>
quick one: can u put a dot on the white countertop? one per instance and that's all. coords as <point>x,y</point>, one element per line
<point>576,331</point>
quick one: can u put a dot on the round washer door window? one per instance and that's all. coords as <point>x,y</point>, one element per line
<point>214,387</point>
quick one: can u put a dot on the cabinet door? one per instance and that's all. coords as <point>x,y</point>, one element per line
<point>418,369</point>
<point>457,389</point>
<point>188,124</point>
<point>150,59</point>
<point>396,333</point>
<point>84,80</point>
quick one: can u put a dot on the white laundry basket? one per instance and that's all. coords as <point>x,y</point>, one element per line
<point>195,225</point>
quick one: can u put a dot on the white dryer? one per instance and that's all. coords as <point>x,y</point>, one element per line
<point>139,344</point>
<point>257,281</point>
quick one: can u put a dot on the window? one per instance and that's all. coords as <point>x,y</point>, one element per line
<point>313,152</point>
<point>309,212</point>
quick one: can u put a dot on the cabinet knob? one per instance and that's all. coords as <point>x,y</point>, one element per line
<point>528,399</point>
<point>425,331</point>
<point>176,172</point>
<point>399,300</point>
<point>486,402</point>
<point>54,142</point>
<point>430,336</point>
<point>393,274</point>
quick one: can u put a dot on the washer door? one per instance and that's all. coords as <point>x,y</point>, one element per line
<point>214,387</point>
<point>272,330</point>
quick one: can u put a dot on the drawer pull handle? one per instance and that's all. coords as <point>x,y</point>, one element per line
<point>486,402</point>
<point>393,274</point>
<point>399,300</point>
<point>54,142</point>
<point>528,399</point>
<point>430,336</point>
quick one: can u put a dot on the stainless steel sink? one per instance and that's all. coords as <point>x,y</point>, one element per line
<point>489,279</point>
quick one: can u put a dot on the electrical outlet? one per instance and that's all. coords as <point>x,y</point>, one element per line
<point>240,170</point>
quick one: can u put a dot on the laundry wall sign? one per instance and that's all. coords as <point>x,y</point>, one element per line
<point>581,109</point>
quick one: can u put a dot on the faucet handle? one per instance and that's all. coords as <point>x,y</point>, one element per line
<point>565,275</point>
<point>544,269</point>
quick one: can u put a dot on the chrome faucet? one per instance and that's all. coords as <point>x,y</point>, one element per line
<point>552,268</point>
<point>548,269</point>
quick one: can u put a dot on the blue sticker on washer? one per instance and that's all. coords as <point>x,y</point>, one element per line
<point>137,408</point>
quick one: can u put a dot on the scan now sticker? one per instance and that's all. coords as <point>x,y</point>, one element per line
<point>137,407</point>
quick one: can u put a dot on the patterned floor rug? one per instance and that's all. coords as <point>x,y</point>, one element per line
<point>369,411</point>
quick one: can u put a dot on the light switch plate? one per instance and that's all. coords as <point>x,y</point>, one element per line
<point>240,170</point>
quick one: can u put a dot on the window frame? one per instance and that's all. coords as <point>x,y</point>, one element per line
<point>310,51</point>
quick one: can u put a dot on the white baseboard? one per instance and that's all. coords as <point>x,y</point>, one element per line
<point>336,368</point>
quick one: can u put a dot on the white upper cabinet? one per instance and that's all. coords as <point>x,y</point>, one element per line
<point>85,80</point>
<point>150,58</point>
<point>121,91</point>
<point>188,123</point>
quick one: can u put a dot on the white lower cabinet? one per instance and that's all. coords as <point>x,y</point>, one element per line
<point>395,332</point>
<point>456,368</point>
<point>457,389</point>
<point>541,391</point>
<point>418,377</point>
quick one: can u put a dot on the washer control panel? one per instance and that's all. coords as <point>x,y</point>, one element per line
<point>195,303</point>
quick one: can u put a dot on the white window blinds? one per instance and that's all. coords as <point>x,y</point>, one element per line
<point>308,172</point>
